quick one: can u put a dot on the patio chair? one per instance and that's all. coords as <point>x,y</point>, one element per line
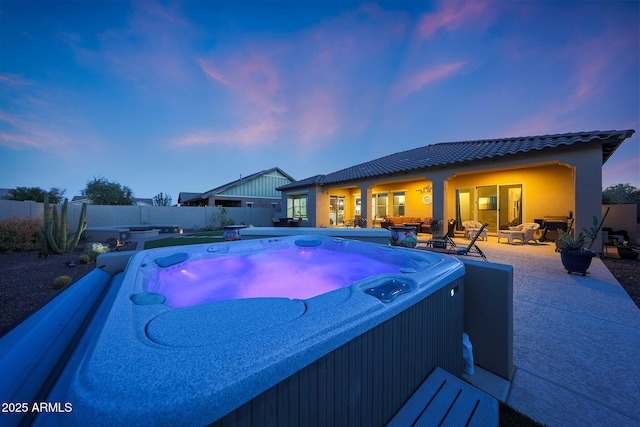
<point>444,242</point>
<point>524,232</point>
<point>472,248</point>
<point>472,226</point>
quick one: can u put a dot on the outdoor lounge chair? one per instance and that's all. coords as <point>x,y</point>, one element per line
<point>444,242</point>
<point>472,248</point>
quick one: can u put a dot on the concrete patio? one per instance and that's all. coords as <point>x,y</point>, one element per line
<point>576,341</point>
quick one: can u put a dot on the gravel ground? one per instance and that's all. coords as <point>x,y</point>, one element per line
<point>26,279</point>
<point>627,272</point>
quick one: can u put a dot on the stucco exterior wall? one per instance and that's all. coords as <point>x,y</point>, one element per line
<point>547,189</point>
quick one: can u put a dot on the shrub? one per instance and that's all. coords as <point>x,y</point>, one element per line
<point>93,250</point>
<point>18,234</point>
<point>113,242</point>
<point>60,282</point>
<point>221,216</point>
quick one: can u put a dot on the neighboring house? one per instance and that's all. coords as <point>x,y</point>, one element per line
<point>183,196</point>
<point>78,200</point>
<point>498,181</point>
<point>257,190</point>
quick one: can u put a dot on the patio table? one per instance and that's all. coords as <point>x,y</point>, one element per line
<point>510,235</point>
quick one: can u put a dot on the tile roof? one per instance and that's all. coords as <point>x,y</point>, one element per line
<point>244,179</point>
<point>192,197</point>
<point>451,153</point>
<point>184,196</point>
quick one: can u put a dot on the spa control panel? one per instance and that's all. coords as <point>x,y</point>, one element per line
<point>388,291</point>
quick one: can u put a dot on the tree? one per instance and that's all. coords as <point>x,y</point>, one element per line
<point>102,192</point>
<point>34,193</point>
<point>621,193</point>
<point>162,200</point>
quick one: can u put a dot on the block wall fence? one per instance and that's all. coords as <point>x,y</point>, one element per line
<point>185,217</point>
<point>621,217</point>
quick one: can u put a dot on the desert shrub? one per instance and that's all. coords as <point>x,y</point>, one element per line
<point>18,234</point>
<point>93,250</point>
<point>60,282</point>
<point>221,216</point>
<point>113,242</point>
<point>85,259</point>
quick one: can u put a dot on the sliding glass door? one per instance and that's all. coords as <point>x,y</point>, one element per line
<point>487,203</point>
<point>510,209</point>
<point>465,208</point>
<point>499,205</point>
<point>336,210</point>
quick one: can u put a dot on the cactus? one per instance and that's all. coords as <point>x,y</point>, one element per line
<point>53,236</point>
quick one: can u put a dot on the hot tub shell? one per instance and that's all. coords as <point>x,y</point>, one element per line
<point>344,357</point>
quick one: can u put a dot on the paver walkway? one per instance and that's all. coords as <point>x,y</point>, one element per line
<point>576,340</point>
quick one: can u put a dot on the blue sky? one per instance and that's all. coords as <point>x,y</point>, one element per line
<point>186,96</point>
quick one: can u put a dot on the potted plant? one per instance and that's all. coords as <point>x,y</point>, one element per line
<point>575,258</point>
<point>626,251</point>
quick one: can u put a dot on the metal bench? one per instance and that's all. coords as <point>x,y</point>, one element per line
<point>444,400</point>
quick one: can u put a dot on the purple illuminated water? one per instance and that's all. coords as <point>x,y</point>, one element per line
<point>296,273</point>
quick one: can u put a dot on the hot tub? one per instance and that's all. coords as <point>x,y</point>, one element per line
<point>300,330</point>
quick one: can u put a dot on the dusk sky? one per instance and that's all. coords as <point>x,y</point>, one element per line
<point>186,96</point>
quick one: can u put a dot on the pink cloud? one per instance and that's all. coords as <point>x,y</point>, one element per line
<point>451,15</point>
<point>26,131</point>
<point>425,77</point>
<point>16,141</point>
<point>261,133</point>
<point>599,60</point>
<point>317,117</point>
<point>212,72</point>
<point>152,51</point>
<point>308,83</point>
<point>13,81</point>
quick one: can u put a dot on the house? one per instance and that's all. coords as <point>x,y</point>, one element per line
<point>78,200</point>
<point>184,196</point>
<point>257,190</point>
<point>498,181</point>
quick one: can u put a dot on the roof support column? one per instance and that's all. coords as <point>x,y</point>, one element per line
<point>365,203</point>
<point>438,192</point>
<point>588,190</point>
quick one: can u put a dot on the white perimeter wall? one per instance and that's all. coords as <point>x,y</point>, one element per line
<point>622,217</point>
<point>185,217</point>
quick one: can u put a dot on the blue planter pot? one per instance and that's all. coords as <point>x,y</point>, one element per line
<point>576,261</point>
<point>627,253</point>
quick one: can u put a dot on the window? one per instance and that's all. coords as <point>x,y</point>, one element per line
<point>274,205</point>
<point>297,206</point>
<point>249,204</point>
<point>398,204</point>
<point>379,203</point>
